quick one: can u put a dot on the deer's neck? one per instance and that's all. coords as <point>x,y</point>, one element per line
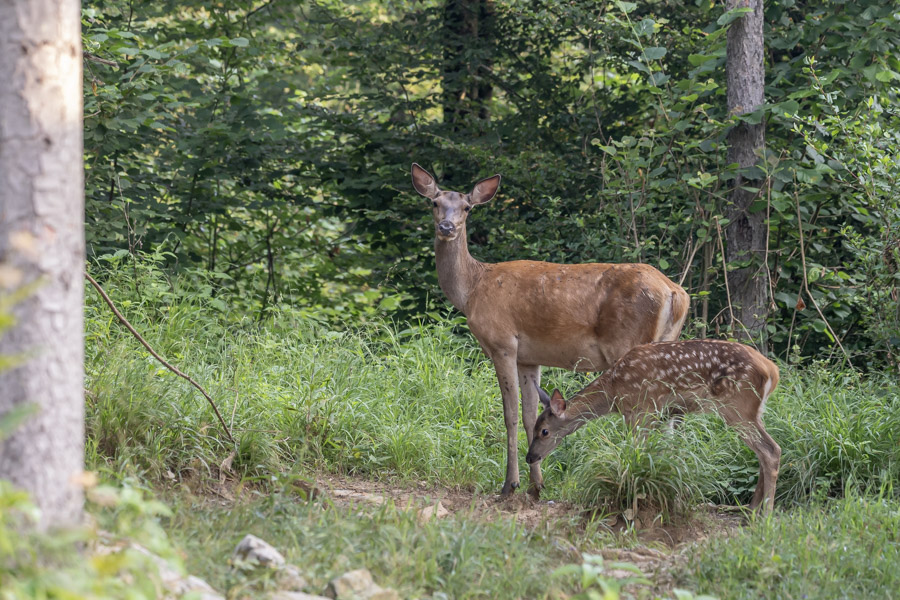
<point>458,272</point>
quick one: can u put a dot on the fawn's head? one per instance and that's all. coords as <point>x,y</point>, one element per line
<point>450,209</point>
<point>551,427</point>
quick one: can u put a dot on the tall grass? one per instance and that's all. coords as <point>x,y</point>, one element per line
<point>421,404</point>
<point>849,550</point>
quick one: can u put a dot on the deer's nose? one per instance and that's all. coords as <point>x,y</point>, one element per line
<point>446,228</point>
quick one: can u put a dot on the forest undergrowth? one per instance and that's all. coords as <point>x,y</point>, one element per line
<point>418,405</point>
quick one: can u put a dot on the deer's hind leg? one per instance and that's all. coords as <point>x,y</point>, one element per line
<point>529,380</point>
<point>753,433</point>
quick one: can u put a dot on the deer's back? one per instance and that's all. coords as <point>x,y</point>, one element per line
<point>573,316</point>
<point>688,372</point>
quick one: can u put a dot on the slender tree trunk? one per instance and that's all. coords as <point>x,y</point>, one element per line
<point>468,26</point>
<point>746,230</point>
<point>42,239</point>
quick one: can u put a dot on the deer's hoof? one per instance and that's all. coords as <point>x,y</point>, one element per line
<point>508,488</point>
<point>535,491</point>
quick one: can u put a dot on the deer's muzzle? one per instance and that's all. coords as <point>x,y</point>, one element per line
<point>446,228</point>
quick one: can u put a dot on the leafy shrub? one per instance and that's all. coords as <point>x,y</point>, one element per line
<point>77,564</point>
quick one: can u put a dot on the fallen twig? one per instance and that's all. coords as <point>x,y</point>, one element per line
<point>157,356</point>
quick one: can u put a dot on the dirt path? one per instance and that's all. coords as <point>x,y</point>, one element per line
<point>653,547</point>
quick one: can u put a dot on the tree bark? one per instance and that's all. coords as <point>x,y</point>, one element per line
<point>467,90</point>
<point>42,238</point>
<point>746,231</point>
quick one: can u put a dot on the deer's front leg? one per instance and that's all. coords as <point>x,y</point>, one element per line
<point>529,380</point>
<point>507,376</point>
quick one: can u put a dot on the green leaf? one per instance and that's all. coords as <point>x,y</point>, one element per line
<point>626,7</point>
<point>731,15</point>
<point>240,41</point>
<point>698,59</point>
<point>753,118</point>
<point>658,78</point>
<point>654,53</point>
<point>639,66</point>
<point>886,76</point>
<point>15,417</point>
<point>788,107</point>
<point>645,27</point>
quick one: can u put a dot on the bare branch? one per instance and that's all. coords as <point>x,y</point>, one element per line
<point>157,356</point>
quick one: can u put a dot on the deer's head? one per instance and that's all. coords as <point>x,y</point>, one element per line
<point>551,427</point>
<point>450,209</point>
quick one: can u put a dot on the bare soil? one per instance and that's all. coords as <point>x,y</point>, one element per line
<point>654,547</point>
<point>643,540</point>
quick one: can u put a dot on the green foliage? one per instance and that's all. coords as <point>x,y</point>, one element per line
<point>270,145</point>
<point>838,432</point>
<point>846,551</point>
<point>413,403</point>
<point>421,404</point>
<point>82,564</point>
<point>596,584</point>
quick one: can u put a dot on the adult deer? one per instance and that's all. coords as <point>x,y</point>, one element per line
<point>693,375</point>
<point>526,313</point>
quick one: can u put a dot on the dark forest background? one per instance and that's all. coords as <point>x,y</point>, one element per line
<point>263,151</point>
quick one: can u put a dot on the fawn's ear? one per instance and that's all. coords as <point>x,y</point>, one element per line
<point>558,405</point>
<point>484,190</point>
<point>424,182</point>
<point>542,396</point>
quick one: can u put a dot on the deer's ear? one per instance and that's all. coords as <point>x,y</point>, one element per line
<point>558,405</point>
<point>484,190</point>
<point>542,396</point>
<point>424,182</point>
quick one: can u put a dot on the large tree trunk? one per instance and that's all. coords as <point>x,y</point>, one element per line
<point>42,238</point>
<point>746,231</point>
<point>467,90</point>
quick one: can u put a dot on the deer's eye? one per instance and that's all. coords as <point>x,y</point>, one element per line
<point>467,208</point>
<point>434,204</point>
<point>544,432</point>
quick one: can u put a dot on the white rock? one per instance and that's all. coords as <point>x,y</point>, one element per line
<point>435,510</point>
<point>350,585</point>
<point>285,595</point>
<point>358,585</point>
<point>251,548</point>
<point>290,580</point>
<point>176,583</point>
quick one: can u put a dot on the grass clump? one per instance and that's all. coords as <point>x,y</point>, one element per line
<point>618,469</point>
<point>850,549</point>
